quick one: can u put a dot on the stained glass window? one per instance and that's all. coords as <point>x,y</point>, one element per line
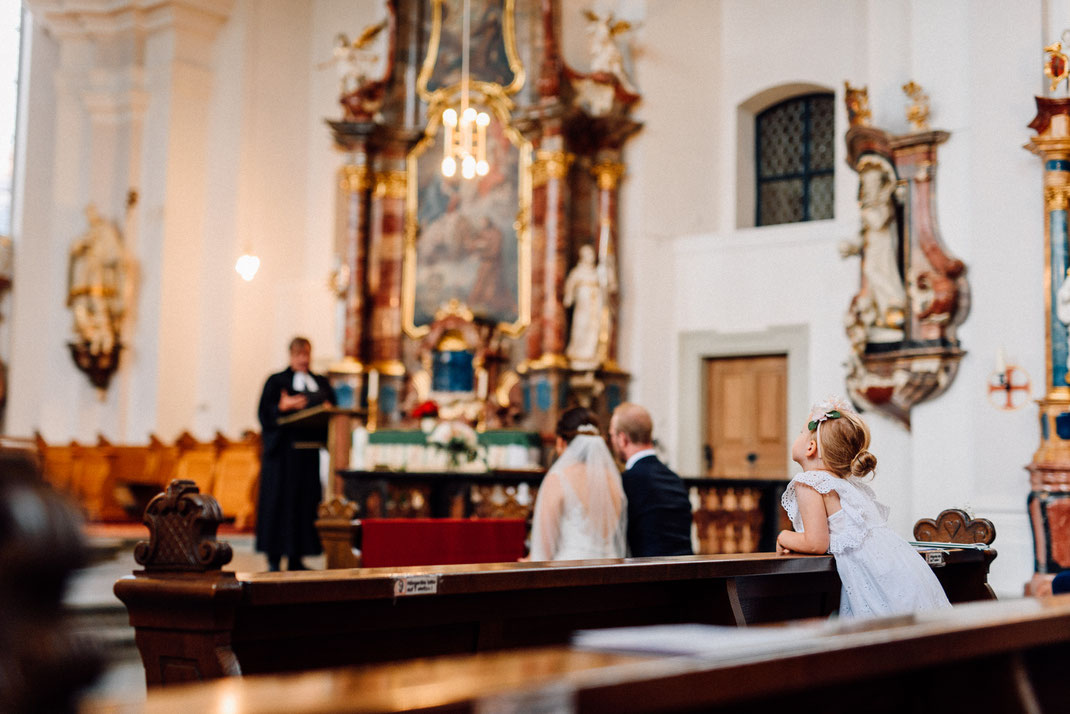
<point>794,157</point>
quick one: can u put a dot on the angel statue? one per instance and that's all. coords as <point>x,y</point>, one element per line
<point>353,61</point>
<point>605,54</point>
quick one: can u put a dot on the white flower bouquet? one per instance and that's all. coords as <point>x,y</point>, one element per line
<point>457,439</point>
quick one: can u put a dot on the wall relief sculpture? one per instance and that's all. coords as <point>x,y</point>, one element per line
<point>913,294</point>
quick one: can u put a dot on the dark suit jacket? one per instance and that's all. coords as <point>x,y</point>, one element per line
<point>659,511</point>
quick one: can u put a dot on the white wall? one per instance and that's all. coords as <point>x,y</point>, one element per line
<point>268,174</point>
<point>979,62</point>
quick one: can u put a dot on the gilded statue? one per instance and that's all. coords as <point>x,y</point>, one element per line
<point>857,100</point>
<point>97,275</point>
<point>918,111</point>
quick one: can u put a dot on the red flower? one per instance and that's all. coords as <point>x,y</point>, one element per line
<point>425,409</point>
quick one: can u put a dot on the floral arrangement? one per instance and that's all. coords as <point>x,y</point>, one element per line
<point>425,410</point>
<point>457,439</point>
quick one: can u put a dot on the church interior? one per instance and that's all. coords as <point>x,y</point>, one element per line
<point>483,213</point>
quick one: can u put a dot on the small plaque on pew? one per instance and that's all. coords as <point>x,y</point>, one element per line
<point>415,585</point>
<point>936,558</point>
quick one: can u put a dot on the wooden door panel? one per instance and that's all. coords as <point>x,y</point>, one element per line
<point>746,405</point>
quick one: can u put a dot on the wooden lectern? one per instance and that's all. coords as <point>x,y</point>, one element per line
<point>339,424</point>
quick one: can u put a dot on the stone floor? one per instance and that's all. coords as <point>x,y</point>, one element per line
<point>97,611</point>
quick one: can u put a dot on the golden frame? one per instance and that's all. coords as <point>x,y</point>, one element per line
<point>487,89</point>
<point>497,98</point>
<point>522,225</point>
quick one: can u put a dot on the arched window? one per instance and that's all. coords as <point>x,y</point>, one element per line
<point>794,160</point>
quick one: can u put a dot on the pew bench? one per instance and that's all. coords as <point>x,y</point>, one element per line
<point>981,657</point>
<point>195,621</point>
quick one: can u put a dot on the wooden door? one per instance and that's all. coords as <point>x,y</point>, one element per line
<point>746,412</point>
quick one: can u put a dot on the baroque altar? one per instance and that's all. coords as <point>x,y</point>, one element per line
<point>477,213</point>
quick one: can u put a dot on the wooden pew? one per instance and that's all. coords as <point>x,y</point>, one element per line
<point>237,478</point>
<point>983,657</point>
<point>199,625</point>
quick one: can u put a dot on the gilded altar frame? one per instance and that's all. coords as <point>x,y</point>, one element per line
<point>496,98</point>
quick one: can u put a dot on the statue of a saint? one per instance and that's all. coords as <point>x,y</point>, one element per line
<point>587,290</point>
<point>1062,311</point>
<point>96,276</point>
<point>878,245</point>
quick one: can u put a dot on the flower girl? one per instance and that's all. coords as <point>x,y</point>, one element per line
<point>833,511</point>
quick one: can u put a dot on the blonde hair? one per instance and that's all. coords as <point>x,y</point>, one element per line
<point>845,446</point>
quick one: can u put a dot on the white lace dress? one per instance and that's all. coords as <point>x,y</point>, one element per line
<point>881,573</point>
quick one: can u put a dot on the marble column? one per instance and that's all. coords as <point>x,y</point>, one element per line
<point>1049,499</point>
<point>386,251</point>
<point>130,81</point>
<point>552,168</point>
<point>355,183</point>
<point>608,172</point>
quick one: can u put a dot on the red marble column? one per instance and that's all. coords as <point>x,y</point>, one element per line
<point>554,164</point>
<point>533,337</point>
<point>385,260</point>
<point>608,173</point>
<point>356,183</point>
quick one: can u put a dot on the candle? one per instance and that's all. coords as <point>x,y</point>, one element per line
<point>481,384</point>
<point>1001,362</point>
<point>373,385</point>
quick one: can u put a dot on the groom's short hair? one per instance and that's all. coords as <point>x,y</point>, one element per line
<point>634,422</point>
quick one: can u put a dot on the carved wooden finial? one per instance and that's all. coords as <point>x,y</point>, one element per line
<point>955,526</point>
<point>182,526</point>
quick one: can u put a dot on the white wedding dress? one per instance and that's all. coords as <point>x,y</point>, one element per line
<point>580,511</point>
<point>881,573</point>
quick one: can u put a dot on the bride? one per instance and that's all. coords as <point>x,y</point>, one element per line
<point>580,511</point>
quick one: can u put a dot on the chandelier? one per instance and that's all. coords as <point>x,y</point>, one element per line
<point>465,144</point>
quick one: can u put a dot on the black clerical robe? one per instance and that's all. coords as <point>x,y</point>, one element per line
<point>290,490</point>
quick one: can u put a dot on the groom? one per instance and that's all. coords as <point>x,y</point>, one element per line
<point>659,512</point>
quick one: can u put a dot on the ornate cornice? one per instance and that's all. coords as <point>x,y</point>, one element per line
<point>75,18</point>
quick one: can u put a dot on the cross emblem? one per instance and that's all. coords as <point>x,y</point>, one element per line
<point>1009,389</point>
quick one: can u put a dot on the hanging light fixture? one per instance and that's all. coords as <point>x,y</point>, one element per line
<point>247,264</point>
<point>465,145</point>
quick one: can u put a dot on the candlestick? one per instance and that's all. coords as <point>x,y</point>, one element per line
<point>373,385</point>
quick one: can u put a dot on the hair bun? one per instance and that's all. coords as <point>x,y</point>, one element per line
<point>863,463</point>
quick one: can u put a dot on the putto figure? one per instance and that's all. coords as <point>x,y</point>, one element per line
<point>605,54</point>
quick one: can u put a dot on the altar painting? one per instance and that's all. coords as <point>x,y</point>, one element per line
<point>492,46</point>
<point>467,247</point>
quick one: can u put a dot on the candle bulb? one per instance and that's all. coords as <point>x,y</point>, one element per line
<point>373,385</point>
